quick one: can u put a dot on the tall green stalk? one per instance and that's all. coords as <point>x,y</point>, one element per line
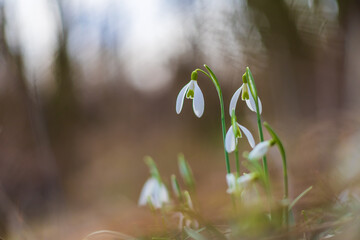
<point>285,174</point>
<point>215,81</point>
<point>253,90</point>
<point>254,93</point>
<point>237,161</point>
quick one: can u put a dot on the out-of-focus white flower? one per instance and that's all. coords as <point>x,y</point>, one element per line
<point>185,220</point>
<point>155,192</point>
<point>246,178</point>
<point>245,96</point>
<point>260,150</point>
<point>232,136</point>
<point>231,182</point>
<point>236,184</point>
<point>191,91</point>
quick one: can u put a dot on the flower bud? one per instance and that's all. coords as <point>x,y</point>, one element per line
<point>194,75</point>
<point>244,79</point>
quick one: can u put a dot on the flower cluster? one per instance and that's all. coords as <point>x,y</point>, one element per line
<point>155,195</point>
<point>248,94</point>
<point>241,186</point>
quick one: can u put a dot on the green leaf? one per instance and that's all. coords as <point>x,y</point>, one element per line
<point>154,172</point>
<point>251,81</point>
<point>292,204</point>
<point>176,187</point>
<point>186,172</point>
<point>283,156</point>
<point>291,219</point>
<point>277,140</point>
<point>214,80</point>
<point>194,234</point>
<point>210,72</point>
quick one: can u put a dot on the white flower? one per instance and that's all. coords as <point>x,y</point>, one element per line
<point>237,184</point>
<point>246,96</point>
<point>155,192</point>
<point>260,150</point>
<point>231,182</point>
<point>231,138</point>
<point>191,91</point>
<point>246,178</point>
<point>185,220</point>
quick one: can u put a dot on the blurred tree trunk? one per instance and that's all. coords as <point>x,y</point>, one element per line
<point>28,173</point>
<point>62,109</point>
<point>290,57</point>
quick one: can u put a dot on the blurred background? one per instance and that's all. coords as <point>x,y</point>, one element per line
<point>88,88</point>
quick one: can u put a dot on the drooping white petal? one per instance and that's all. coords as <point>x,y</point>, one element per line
<point>198,101</point>
<point>230,140</point>
<point>234,100</point>
<point>180,98</point>
<point>260,105</point>
<point>248,135</point>
<point>259,150</point>
<point>251,102</point>
<point>146,191</point>
<point>246,178</point>
<point>252,105</point>
<point>231,182</point>
<point>155,195</point>
<point>155,191</point>
<point>163,194</point>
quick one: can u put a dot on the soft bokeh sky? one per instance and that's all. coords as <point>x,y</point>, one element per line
<point>143,35</point>
<point>147,33</point>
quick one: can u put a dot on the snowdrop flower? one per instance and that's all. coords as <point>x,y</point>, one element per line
<point>231,182</point>
<point>239,183</point>
<point>246,178</point>
<point>234,133</point>
<point>155,192</point>
<point>185,220</point>
<point>191,91</point>
<point>246,96</point>
<point>260,150</point>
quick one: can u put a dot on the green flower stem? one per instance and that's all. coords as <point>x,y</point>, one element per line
<point>285,175</point>
<point>261,135</point>
<point>215,81</point>
<point>283,156</point>
<point>253,90</point>
<point>237,161</point>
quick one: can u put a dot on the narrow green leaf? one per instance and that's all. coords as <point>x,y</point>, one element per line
<point>186,172</point>
<point>280,146</point>
<point>210,72</point>
<point>194,234</point>
<point>176,187</point>
<point>154,172</point>
<point>277,139</point>
<point>251,81</point>
<point>291,219</point>
<point>299,197</point>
